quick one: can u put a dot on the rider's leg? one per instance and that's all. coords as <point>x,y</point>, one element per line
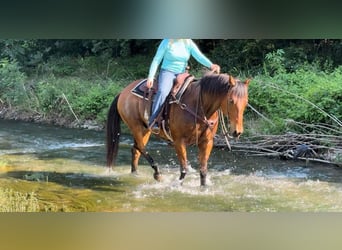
<point>165,83</point>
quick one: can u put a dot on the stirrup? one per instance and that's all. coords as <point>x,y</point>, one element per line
<point>155,130</point>
<point>154,127</point>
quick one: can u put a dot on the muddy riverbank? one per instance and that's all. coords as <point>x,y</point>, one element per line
<point>8,113</point>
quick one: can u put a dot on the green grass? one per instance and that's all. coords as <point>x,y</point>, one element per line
<point>87,86</point>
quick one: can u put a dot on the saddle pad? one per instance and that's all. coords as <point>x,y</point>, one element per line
<point>140,89</point>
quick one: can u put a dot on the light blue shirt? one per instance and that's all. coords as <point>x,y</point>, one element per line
<point>174,56</point>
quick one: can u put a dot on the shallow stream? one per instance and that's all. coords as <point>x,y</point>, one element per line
<point>64,168</point>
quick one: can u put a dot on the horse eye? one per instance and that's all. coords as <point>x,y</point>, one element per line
<point>231,101</point>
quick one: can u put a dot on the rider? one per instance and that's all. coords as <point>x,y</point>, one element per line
<point>174,55</point>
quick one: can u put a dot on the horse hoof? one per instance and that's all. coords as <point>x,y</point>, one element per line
<point>108,171</point>
<point>135,173</point>
<point>191,170</point>
<point>204,188</point>
<point>177,183</point>
<point>157,177</point>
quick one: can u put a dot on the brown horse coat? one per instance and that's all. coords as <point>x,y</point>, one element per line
<point>193,120</point>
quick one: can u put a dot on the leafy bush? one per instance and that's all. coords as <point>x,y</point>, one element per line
<point>12,80</point>
<point>59,66</point>
<point>274,62</point>
<point>94,103</point>
<point>326,96</point>
<point>286,84</point>
<point>89,99</point>
<point>48,96</point>
<point>306,95</point>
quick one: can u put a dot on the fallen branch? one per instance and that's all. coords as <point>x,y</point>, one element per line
<point>261,115</point>
<point>72,111</point>
<point>309,147</point>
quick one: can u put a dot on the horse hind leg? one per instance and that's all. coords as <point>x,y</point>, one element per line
<point>136,152</point>
<point>141,137</point>
<point>135,159</point>
<point>157,174</point>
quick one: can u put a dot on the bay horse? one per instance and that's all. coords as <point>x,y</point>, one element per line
<point>192,120</point>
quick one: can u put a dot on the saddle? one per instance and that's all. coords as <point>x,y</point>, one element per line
<point>180,84</point>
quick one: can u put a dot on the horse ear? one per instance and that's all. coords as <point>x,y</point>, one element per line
<point>232,81</point>
<point>247,81</point>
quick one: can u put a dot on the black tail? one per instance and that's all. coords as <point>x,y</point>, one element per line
<point>113,132</point>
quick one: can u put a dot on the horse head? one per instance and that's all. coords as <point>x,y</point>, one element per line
<point>234,105</point>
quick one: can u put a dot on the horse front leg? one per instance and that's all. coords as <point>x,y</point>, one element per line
<point>182,157</point>
<point>204,153</point>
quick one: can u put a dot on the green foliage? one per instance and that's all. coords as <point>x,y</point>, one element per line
<point>292,79</point>
<point>274,62</point>
<point>12,89</point>
<point>237,56</point>
<point>49,97</point>
<point>58,66</point>
<point>86,85</point>
<point>31,54</point>
<point>247,56</point>
<point>25,52</point>
<point>94,103</point>
<point>326,95</point>
<point>306,95</point>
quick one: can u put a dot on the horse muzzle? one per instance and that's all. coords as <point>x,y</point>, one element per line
<point>236,135</point>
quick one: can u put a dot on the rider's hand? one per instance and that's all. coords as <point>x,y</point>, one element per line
<point>149,83</point>
<point>216,68</point>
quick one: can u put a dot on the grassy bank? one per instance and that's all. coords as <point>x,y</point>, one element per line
<point>73,91</point>
<point>66,91</point>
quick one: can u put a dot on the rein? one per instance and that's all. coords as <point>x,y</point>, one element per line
<point>204,119</point>
<point>185,107</point>
<point>197,117</point>
<point>224,129</point>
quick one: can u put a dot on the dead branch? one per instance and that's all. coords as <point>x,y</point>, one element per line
<point>72,111</point>
<point>323,148</point>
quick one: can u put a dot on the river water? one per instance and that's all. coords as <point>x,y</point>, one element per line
<point>65,169</point>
